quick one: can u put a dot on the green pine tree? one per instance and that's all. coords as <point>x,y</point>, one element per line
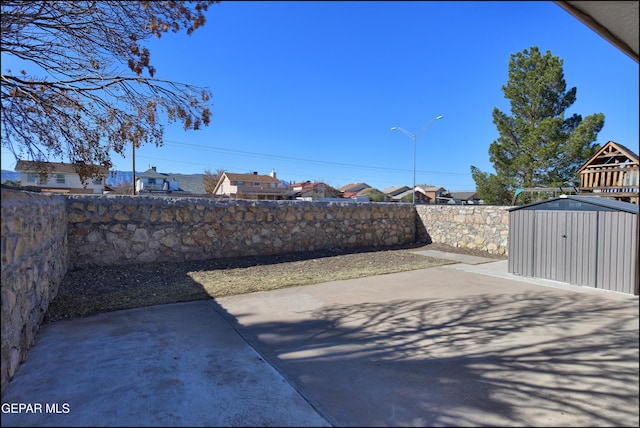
<point>537,146</point>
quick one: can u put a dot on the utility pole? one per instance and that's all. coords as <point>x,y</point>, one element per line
<point>133,168</point>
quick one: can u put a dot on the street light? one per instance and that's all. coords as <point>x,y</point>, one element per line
<point>414,137</point>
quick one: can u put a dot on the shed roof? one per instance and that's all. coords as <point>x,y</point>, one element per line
<point>580,203</point>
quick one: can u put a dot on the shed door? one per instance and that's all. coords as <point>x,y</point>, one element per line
<point>565,246</point>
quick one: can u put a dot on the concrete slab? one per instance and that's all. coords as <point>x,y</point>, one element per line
<point>169,365</point>
<point>460,258</point>
<point>500,269</point>
<point>446,347</point>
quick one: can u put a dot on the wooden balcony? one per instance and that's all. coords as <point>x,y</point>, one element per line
<point>619,181</point>
<point>612,172</point>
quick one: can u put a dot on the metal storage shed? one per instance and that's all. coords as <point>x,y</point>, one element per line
<point>583,240</point>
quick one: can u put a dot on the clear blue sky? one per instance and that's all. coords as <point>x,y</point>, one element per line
<point>312,89</point>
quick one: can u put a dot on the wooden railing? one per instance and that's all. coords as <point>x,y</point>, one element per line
<point>619,181</point>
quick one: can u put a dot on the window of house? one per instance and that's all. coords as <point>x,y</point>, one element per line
<point>256,183</point>
<point>151,181</point>
<point>240,183</point>
<point>272,185</point>
<point>60,178</point>
<point>32,177</point>
<point>97,180</point>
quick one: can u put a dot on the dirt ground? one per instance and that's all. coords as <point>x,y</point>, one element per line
<point>91,291</point>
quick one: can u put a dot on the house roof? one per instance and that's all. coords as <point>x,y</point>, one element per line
<point>611,153</point>
<point>581,203</point>
<point>429,188</point>
<point>152,173</point>
<point>615,21</point>
<point>354,187</point>
<point>189,183</point>
<point>395,190</point>
<point>307,186</point>
<point>362,192</point>
<point>403,194</point>
<point>251,177</point>
<point>30,166</point>
<point>281,188</point>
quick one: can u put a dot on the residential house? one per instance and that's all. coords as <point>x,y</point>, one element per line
<point>61,178</point>
<point>307,189</point>
<point>191,184</point>
<point>612,172</point>
<point>464,198</point>
<point>353,190</point>
<point>251,186</point>
<point>432,194</point>
<point>397,193</point>
<point>152,181</point>
<point>157,183</point>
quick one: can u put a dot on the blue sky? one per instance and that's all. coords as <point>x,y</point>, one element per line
<point>312,89</point>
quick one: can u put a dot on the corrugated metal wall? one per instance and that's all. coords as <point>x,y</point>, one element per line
<point>589,248</point>
<point>582,247</point>
<point>521,229</point>
<point>617,261</point>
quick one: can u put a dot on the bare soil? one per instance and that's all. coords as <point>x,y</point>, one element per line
<point>91,291</point>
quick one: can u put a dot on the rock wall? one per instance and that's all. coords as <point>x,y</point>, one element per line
<point>43,236</point>
<point>34,261</point>
<point>480,227</point>
<point>109,230</point>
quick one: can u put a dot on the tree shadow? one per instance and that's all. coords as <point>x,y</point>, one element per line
<point>531,359</point>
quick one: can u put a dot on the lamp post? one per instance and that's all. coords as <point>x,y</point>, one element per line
<point>414,137</point>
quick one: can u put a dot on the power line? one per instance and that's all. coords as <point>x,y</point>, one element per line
<point>294,159</point>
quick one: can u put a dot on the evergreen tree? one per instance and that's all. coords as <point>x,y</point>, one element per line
<point>537,146</point>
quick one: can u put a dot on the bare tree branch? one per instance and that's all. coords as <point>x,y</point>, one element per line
<point>90,88</point>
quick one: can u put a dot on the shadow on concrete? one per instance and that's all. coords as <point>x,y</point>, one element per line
<point>529,359</point>
<point>166,365</point>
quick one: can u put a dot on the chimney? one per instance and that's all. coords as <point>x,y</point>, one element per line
<point>255,172</point>
<point>153,168</point>
<point>273,173</point>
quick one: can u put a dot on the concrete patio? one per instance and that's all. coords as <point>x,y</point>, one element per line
<point>465,344</point>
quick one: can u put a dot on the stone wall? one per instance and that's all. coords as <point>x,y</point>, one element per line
<point>109,230</point>
<point>45,235</point>
<point>481,227</point>
<point>34,261</point>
